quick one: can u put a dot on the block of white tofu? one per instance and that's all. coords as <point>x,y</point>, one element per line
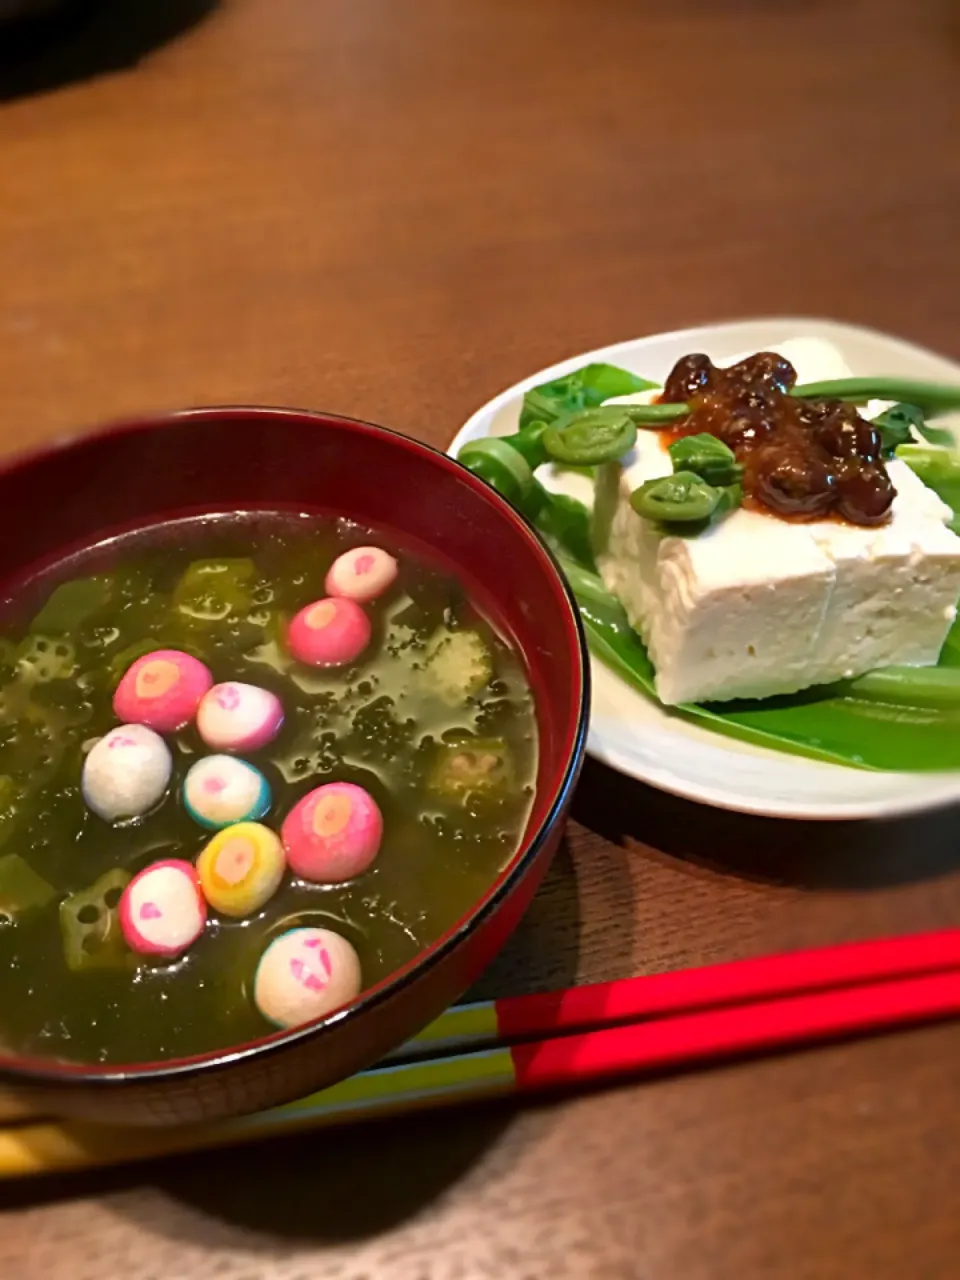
<point>757,606</point>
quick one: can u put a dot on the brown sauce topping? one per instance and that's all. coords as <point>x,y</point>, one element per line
<point>802,459</point>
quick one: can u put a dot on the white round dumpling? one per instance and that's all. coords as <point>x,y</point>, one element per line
<point>305,974</point>
<point>126,772</point>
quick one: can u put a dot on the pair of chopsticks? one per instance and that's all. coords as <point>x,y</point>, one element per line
<point>528,1044</point>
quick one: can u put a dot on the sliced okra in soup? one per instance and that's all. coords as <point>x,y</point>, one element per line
<point>22,890</point>
<point>472,769</point>
<point>457,666</point>
<point>211,591</point>
<point>90,925</point>
<point>42,658</point>
<point>75,603</point>
<point>32,745</point>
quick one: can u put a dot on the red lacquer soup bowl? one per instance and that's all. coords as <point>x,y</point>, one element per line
<point>225,459</point>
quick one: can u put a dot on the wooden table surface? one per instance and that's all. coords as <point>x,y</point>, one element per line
<point>395,209</point>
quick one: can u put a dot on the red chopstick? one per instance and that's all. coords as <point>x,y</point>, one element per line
<point>738,982</point>
<point>728,1032</point>
<point>735,982</point>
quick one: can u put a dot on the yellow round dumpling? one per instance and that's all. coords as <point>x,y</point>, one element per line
<point>241,868</point>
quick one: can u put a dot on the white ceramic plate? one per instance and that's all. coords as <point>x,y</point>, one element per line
<point>637,736</point>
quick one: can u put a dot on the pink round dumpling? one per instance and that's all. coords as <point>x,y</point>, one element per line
<point>163,911</point>
<point>305,974</point>
<point>361,574</point>
<point>239,717</point>
<point>329,633</point>
<point>162,690</point>
<point>333,833</point>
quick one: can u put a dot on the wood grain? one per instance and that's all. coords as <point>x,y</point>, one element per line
<point>394,209</point>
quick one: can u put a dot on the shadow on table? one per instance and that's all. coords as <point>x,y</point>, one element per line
<point>86,38</point>
<point>336,1187</point>
<point>812,855</point>
<point>331,1186</point>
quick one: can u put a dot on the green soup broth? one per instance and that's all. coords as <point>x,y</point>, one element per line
<point>436,720</point>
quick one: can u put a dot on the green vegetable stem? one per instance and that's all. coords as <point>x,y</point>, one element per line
<point>564,524</point>
<point>589,438</point>
<point>682,498</point>
<point>707,457</point>
<point>937,687</point>
<point>585,388</point>
<point>656,415</point>
<point>504,468</point>
<point>731,496</point>
<point>929,397</point>
<point>529,444</point>
<point>562,521</point>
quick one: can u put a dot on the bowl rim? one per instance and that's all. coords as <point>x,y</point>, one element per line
<point>26,1069</point>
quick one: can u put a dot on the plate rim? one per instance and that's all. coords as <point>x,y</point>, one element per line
<point>855,810</point>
